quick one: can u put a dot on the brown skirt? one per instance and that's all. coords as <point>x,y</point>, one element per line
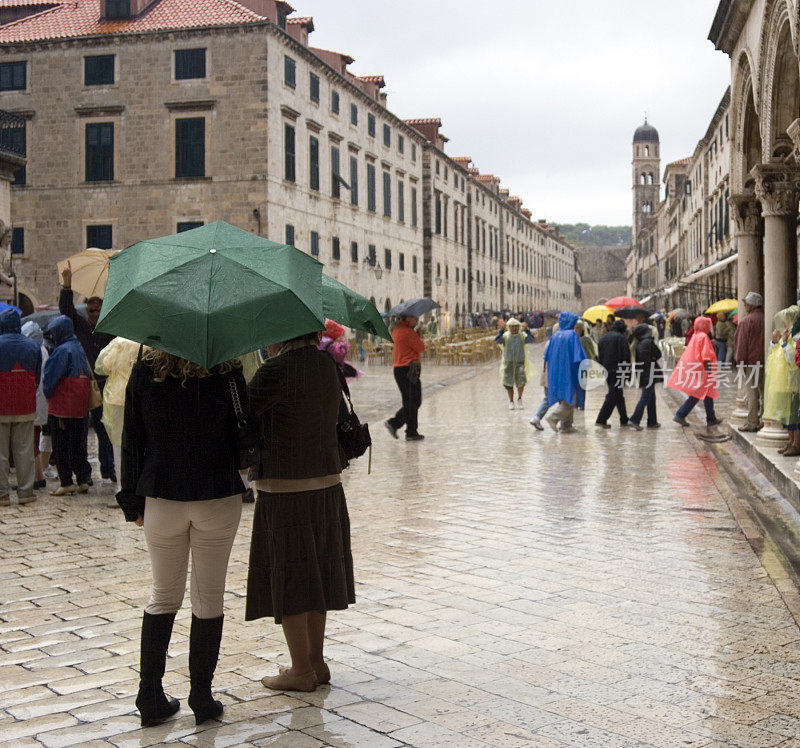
<point>300,558</point>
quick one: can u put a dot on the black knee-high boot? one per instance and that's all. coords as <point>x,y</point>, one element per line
<point>204,639</point>
<point>153,705</point>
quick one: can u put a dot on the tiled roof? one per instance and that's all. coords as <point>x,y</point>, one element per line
<point>349,60</point>
<point>77,18</point>
<point>27,3</point>
<point>680,162</point>
<point>373,79</point>
<point>299,21</point>
<point>487,178</point>
<point>463,160</point>
<point>425,121</point>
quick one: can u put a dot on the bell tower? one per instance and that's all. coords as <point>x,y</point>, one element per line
<point>646,175</point>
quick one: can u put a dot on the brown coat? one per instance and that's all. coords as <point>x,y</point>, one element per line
<point>748,344</point>
<point>296,398</point>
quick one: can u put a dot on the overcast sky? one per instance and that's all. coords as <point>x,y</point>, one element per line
<point>544,94</point>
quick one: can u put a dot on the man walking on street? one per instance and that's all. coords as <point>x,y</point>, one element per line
<point>92,343</point>
<point>408,348</point>
<point>614,357</point>
<point>20,371</point>
<point>748,353</point>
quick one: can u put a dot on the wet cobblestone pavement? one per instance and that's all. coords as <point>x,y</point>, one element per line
<point>515,588</point>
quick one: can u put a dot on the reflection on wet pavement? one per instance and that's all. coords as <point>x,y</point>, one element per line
<point>515,588</point>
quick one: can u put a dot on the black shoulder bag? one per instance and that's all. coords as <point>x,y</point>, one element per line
<point>248,440</point>
<point>354,438</point>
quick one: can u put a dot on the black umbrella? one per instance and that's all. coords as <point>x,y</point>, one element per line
<point>413,308</point>
<point>632,312</point>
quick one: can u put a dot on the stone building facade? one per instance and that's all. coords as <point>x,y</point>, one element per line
<point>683,253</point>
<point>146,117</point>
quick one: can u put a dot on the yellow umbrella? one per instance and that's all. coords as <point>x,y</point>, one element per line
<point>599,313</point>
<point>725,305</point>
<point>89,271</point>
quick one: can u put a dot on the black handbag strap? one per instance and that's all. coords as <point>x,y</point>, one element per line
<point>345,388</point>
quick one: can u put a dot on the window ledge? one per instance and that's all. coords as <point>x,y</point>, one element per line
<point>195,105</point>
<point>192,179</point>
<point>102,183</point>
<point>99,110</point>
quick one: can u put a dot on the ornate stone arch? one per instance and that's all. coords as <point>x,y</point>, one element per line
<point>745,121</point>
<point>777,38</point>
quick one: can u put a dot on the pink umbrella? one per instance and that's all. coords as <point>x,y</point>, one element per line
<point>619,301</point>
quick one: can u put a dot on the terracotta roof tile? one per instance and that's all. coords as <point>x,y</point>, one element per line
<point>425,121</point>
<point>82,18</point>
<point>379,79</point>
<point>680,162</point>
<point>299,21</point>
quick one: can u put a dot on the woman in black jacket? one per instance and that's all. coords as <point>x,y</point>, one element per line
<point>300,560</point>
<point>647,354</point>
<point>180,480</point>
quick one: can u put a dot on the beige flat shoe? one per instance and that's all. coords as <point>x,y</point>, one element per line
<point>83,488</point>
<point>5,500</point>
<point>285,682</point>
<point>323,673</point>
<point>26,499</point>
<point>63,491</point>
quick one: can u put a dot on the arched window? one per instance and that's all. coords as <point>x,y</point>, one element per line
<point>650,178</point>
<point>388,305</point>
<point>642,179</point>
<point>647,150</point>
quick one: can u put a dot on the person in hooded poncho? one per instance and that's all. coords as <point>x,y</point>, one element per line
<point>696,374</point>
<point>782,379</point>
<point>515,368</point>
<point>563,358</point>
<point>587,341</point>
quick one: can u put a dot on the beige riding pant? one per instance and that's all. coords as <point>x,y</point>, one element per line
<point>176,529</point>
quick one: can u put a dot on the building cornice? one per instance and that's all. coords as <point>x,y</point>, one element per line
<point>728,23</point>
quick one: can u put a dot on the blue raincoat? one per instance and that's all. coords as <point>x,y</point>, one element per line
<point>563,358</point>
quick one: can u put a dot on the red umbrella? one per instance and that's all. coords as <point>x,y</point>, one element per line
<point>619,301</point>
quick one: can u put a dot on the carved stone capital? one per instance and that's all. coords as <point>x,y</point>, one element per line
<point>777,189</point>
<point>746,213</point>
<point>793,131</point>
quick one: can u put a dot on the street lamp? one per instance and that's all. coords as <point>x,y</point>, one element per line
<point>378,270</point>
<point>438,280</point>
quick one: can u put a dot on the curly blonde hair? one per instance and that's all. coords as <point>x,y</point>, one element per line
<point>168,365</point>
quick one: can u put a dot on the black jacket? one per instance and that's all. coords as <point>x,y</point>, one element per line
<point>295,397</point>
<point>179,439</point>
<point>614,353</point>
<point>647,355</point>
<point>91,341</point>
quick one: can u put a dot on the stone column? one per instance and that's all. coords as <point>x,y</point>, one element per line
<point>777,190</point>
<point>749,267</point>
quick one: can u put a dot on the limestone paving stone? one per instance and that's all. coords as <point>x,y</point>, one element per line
<point>593,590</point>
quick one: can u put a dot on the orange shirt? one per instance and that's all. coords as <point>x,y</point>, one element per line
<point>408,346</point>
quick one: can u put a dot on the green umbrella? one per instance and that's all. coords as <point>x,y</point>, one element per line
<point>212,293</point>
<point>351,309</point>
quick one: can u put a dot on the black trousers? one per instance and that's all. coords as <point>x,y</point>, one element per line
<point>615,398</point>
<point>411,394</point>
<point>69,449</point>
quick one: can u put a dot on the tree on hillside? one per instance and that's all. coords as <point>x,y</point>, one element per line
<point>595,236</point>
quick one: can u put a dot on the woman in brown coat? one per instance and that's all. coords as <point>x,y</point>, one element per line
<point>300,560</point>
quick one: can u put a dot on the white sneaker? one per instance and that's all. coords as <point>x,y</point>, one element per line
<point>511,406</point>
<point>520,406</point>
<point>50,472</point>
<point>537,424</point>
